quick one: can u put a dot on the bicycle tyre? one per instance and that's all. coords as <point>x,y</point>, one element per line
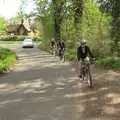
<point>89,79</point>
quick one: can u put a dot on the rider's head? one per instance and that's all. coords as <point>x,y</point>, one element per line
<point>83,42</point>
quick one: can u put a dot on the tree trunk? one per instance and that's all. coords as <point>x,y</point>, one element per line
<point>57,30</point>
<point>57,17</point>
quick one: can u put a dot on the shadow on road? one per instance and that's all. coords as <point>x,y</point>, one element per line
<point>55,93</point>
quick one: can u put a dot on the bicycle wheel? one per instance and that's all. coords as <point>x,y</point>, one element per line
<point>83,73</point>
<point>61,55</point>
<point>89,78</point>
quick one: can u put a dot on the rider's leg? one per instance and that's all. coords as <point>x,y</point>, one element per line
<point>63,55</point>
<point>80,67</point>
<point>89,67</point>
<point>90,71</point>
<point>60,54</point>
<point>52,50</point>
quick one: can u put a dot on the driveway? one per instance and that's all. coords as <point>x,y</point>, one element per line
<point>41,88</point>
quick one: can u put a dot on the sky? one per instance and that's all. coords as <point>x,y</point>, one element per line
<point>9,8</point>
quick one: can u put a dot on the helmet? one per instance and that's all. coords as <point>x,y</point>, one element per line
<point>83,41</point>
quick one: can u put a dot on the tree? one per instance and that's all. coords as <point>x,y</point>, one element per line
<point>58,17</point>
<point>53,12</point>
<point>21,12</point>
<point>44,18</point>
<point>112,7</point>
<point>78,11</point>
<point>3,24</point>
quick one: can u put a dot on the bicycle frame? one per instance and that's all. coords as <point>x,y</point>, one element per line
<point>85,72</point>
<point>62,52</point>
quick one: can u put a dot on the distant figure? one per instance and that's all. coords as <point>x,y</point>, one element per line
<point>61,48</point>
<point>52,46</point>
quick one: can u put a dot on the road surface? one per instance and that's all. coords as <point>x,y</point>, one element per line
<point>41,88</point>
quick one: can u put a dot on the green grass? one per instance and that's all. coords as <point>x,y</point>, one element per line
<point>113,62</point>
<point>7,59</point>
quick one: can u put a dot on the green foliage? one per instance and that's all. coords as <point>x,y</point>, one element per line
<point>70,54</point>
<point>17,38</point>
<point>8,38</point>
<point>94,28</point>
<point>112,7</point>
<point>3,24</point>
<point>110,62</point>
<point>12,38</point>
<point>7,59</point>
<point>93,24</point>
<point>44,46</point>
<point>78,6</point>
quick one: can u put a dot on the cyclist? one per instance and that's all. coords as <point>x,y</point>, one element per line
<point>83,51</point>
<point>61,48</point>
<point>52,46</point>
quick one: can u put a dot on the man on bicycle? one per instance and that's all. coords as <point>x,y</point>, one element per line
<point>52,46</point>
<point>83,51</point>
<point>61,48</point>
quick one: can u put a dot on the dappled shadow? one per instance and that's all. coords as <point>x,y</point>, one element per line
<point>101,102</point>
<point>51,91</point>
<point>41,92</point>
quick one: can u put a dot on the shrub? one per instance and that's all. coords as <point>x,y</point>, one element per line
<point>112,62</point>
<point>18,38</point>
<point>36,38</point>
<point>7,59</point>
<point>21,38</point>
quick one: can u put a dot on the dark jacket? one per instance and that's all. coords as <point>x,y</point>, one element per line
<point>52,44</point>
<point>61,45</point>
<point>81,55</point>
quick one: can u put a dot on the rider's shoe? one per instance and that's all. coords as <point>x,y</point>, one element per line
<point>80,76</point>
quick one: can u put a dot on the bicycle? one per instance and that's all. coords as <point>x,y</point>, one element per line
<point>53,50</point>
<point>86,73</point>
<point>61,54</point>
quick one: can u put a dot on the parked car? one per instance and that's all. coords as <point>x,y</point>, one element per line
<point>28,43</point>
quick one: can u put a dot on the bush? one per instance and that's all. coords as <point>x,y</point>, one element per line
<point>36,38</point>
<point>17,38</point>
<point>8,38</point>
<point>11,38</point>
<point>20,38</point>
<point>7,59</point>
<point>70,54</point>
<point>44,45</point>
<point>112,62</point>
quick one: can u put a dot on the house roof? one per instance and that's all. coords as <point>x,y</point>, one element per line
<point>12,28</point>
<point>27,26</point>
<point>15,27</point>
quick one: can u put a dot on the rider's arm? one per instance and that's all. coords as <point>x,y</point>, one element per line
<point>64,46</point>
<point>78,54</point>
<point>90,53</point>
